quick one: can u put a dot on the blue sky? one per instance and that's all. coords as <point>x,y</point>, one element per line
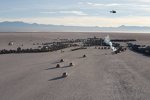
<point>77,12</point>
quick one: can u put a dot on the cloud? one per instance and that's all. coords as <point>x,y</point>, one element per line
<point>74,12</point>
<point>133,4</point>
<point>48,12</point>
<point>144,1</point>
<point>101,4</point>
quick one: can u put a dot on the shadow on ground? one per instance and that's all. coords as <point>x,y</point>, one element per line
<point>65,66</point>
<point>58,68</point>
<point>51,68</point>
<point>56,78</point>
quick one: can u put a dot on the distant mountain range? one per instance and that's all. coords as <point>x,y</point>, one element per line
<point>26,27</point>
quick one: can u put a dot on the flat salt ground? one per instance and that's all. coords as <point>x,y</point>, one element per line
<point>99,76</point>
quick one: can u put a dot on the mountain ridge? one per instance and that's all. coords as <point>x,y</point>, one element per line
<point>19,26</point>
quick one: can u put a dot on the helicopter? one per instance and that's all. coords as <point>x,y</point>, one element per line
<point>113,11</point>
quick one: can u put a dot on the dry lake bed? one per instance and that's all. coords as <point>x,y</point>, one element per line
<point>99,76</point>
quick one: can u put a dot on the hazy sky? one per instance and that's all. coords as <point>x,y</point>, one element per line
<point>77,12</point>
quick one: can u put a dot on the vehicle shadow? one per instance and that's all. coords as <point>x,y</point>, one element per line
<point>56,78</point>
<point>51,68</point>
<point>58,67</point>
<point>65,66</point>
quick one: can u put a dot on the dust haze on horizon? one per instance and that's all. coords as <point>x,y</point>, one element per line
<point>77,12</point>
